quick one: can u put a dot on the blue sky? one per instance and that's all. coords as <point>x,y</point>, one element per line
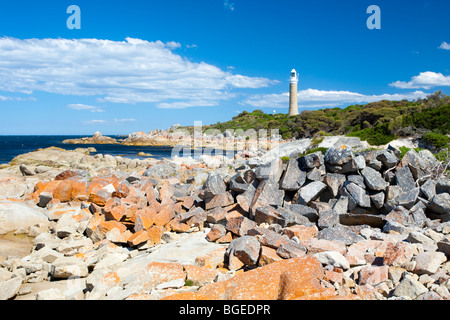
<point>141,65</point>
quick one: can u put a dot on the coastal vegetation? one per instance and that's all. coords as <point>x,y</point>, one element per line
<point>378,123</point>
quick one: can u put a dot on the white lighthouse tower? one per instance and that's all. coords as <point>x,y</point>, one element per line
<point>293,102</point>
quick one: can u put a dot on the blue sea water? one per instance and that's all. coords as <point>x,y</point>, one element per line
<point>12,146</point>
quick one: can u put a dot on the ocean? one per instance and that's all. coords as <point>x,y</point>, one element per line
<point>12,146</point>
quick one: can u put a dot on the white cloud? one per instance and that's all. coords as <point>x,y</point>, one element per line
<point>3,98</point>
<point>424,80</point>
<point>444,45</point>
<point>94,122</point>
<point>313,98</point>
<point>84,107</point>
<point>172,45</point>
<point>239,81</point>
<point>104,122</point>
<point>124,120</point>
<point>129,71</point>
<point>186,104</point>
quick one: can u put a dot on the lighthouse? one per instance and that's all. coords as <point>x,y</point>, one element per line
<point>293,102</point>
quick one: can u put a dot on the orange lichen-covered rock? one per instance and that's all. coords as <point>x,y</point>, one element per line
<point>67,190</point>
<point>227,238</point>
<point>318,245</point>
<point>199,276</point>
<point>268,255</point>
<point>130,211</point>
<point>334,276</point>
<point>40,186</point>
<point>111,279</point>
<point>136,197</point>
<point>188,202</point>
<point>220,200</point>
<point>164,216</point>
<point>93,223</point>
<point>151,198</point>
<point>141,296</point>
<point>107,226</point>
<point>366,292</point>
<point>166,191</point>
<point>99,196</point>
<point>216,232</point>
<point>302,232</point>
<point>156,273</point>
<point>114,209</point>
<point>96,183</point>
<point>325,294</point>
<point>144,219</point>
<point>79,190</point>
<point>239,224</point>
<point>211,259</point>
<point>116,236</point>
<point>63,192</point>
<point>96,234</point>
<point>234,263</point>
<point>44,186</point>
<point>297,278</point>
<point>362,252</point>
<point>122,191</point>
<point>373,275</point>
<point>138,238</point>
<point>176,226</point>
<point>397,253</point>
<point>187,296</point>
<point>154,234</point>
<point>67,174</point>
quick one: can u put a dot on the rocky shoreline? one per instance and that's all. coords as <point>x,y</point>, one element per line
<point>174,137</point>
<point>348,223</point>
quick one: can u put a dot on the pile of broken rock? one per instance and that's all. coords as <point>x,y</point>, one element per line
<point>342,225</point>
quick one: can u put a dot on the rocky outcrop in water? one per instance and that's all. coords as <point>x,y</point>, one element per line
<point>97,138</point>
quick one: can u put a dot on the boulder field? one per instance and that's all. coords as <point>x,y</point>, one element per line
<point>338,225</point>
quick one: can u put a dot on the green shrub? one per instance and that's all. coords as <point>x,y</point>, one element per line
<point>436,139</point>
<point>403,151</point>
<point>286,135</point>
<point>430,118</point>
<point>189,283</point>
<point>348,129</point>
<point>376,136</point>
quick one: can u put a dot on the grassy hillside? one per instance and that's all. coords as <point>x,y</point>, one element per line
<point>377,122</point>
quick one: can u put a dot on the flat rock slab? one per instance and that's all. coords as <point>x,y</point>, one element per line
<point>339,141</point>
<point>15,215</point>
<point>16,246</point>
<point>69,288</point>
<point>288,149</point>
<point>8,289</point>
<point>185,249</point>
